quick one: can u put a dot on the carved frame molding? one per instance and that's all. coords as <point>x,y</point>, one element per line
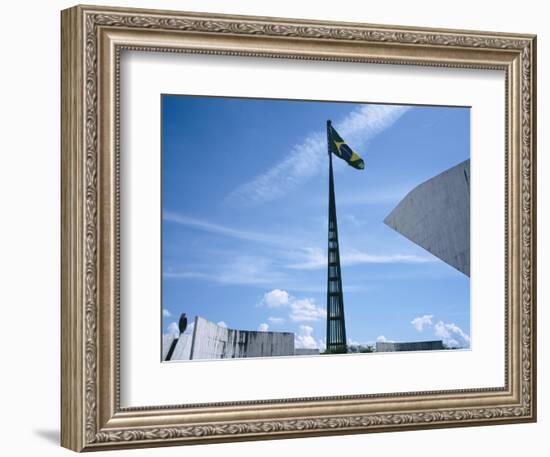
<point>92,40</point>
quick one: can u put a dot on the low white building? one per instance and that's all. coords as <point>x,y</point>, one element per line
<point>212,341</point>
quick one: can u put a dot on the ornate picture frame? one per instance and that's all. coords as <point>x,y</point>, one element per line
<point>93,39</point>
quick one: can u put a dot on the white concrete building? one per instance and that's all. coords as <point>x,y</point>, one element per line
<point>436,216</point>
<point>212,341</point>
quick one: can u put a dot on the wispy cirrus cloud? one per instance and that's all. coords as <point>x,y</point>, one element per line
<point>316,258</point>
<point>241,270</point>
<point>273,263</point>
<point>206,226</point>
<point>306,158</point>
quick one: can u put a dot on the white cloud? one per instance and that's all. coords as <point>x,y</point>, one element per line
<point>190,328</point>
<point>307,158</point>
<point>219,229</point>
<point>276,298</point>
<point>250,270</point>
<point>276,320</point>
<point>322,345</point>
<point>173,329</point>
<point>313,259</point>
<point>300,309</point>
<point>305,309</point>
<point>353,220</point>
<point>379,339</point>
<point>381,195</point>
<point>263,327</point>
<point>304,338</point>
<point>246,269</point>
<point>222,324</point>
<point>304,161</point>
<point>316,258</point>
<point>355,257</point>
<point>452,335</point>
<point>386,195</point>
<point>420,322</point>
<point>166,313</point>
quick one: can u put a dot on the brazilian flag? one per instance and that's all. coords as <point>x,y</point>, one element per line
<point>339,147</point>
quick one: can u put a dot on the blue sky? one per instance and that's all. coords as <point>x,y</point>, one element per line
<point>244,208</point>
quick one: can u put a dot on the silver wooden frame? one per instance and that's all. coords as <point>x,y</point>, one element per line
<point>92,41</point>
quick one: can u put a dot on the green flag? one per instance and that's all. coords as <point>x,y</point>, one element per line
<point>339,147</point>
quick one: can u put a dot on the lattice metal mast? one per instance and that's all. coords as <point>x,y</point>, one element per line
<point>336,326</point>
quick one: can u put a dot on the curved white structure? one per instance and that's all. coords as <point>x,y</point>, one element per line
<point>436,216</point>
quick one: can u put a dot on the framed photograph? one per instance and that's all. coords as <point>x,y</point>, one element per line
<point>277,228</point>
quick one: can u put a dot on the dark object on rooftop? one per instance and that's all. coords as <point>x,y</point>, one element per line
<point>182,323</point>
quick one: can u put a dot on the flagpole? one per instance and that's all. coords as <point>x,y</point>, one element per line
<point>330,193</point>
<point>336,328</point>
